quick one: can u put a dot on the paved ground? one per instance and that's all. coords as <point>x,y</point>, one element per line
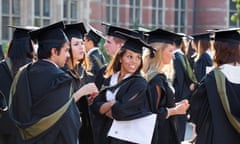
<point>188,134</point>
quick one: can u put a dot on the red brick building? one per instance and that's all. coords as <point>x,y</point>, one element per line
<point>187,16</point>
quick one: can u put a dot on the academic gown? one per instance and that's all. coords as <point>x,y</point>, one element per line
<point>181,85</point>
<point>97,60</point>
<point>99,78</point>
<point>42,89</point>
<point>86,131</point>
<point>165,130</point>
<point>123,109</point>
<point>201,64</point>
<point>7,128</point>
<point>206,110</point>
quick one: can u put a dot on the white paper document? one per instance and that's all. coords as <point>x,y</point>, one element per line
<point>138,130</point>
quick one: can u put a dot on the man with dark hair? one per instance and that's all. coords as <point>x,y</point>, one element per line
<point>42,102</point>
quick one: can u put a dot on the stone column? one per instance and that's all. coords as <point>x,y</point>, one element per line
<point>27,12</point>
<point>56,11</point>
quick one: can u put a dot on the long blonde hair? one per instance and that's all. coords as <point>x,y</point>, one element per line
<point>155,64</point>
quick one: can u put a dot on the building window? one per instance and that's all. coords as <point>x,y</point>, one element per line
<point>180,16</point>
<point>41,12</point>
<point>112,10</point>
<point>70,11</point>
<point>157,13</point>
<point>135,13</point>
<point>233,15</point>
<point>10,16</point>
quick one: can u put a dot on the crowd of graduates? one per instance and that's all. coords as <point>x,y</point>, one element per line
<point>57,88</point>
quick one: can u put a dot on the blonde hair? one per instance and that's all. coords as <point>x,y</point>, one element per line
<point>155,64</point>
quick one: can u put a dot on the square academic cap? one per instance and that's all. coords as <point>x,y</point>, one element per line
<point>111,31</point>
<point>201,36</point>
<point>75,30</point>
<point>228,35</point>
<point>94,34</point>
<point>160,35</point>
<point>51,34</point>
<point>135,44</point>
<point>21,31</point>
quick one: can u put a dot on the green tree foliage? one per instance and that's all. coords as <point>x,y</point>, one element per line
<point>236,16</point>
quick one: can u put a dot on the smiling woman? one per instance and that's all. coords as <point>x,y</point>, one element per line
<point>123,91</point>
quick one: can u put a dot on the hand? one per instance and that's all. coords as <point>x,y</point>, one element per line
<point>192,87</point>
<point>88,89</point>
<point>109,114</point>
<point>182,106</point>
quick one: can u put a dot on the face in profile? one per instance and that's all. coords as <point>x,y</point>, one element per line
<point>77,48</point>
<point>111,46</point>
<point>60,58</point>
<point>167,54</point>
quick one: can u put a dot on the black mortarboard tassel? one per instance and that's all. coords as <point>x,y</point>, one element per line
<point>75,30</point>
<point>51,34</point>
<point>228,35</point>
<point>160,35</point>
<point>135,44</point>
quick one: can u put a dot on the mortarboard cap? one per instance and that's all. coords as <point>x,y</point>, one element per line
<point>201,36</point>
<point>228,35</point>
<point>111,31</point>
<point>160,35</point>
<point>135,44</point>
<point>94,35</point>
<point>22,31</point>
<point>51,34</point>
<point>75,30</point>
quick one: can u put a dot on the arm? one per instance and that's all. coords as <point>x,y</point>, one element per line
<point>88,89</point>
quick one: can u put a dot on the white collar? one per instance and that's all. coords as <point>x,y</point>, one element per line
<point>110,96</point>
<point>52,62</point>
<point>178,50</point>
<point>231,72</point>
<point>92,50</point>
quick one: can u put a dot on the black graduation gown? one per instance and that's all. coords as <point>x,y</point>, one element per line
<point>85,133</point>
<point>42,89</point>
<point>7,128</point>
<point>181,85</point>
<point>100,77</point>
<point>123,109</point>
<point>165,130</point>
<point>206,110</point>
<point>97,60</point>
<point>201,64</point>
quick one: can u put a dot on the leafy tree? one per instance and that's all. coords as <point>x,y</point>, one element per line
<point>236,16</point>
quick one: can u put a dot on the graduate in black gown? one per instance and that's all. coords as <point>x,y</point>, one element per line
<point>113,43</point>
<point>183,78</point>
<point>204,58</point>
<point>20,52</point>
<point>125,97</point>
<point>91,43</point>
<point>75,33</point>
<point>42,102</point>
<point>161,99</point>
<point>215,106</point>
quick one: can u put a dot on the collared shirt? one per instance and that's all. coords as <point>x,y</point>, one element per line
<point>92,50</point>
<point>51,62</point>
<point>110,96</point>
